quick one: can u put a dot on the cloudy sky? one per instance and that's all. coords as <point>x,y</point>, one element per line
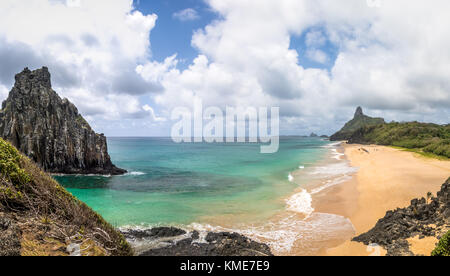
<point>126,64</point>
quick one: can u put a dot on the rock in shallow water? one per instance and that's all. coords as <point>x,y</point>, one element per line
<point>50,131</point>
<point>177,242</point>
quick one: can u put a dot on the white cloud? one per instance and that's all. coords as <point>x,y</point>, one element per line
<point>390,58</point>
<point>3,92</point>
<point>315,39</point>
<point>92,49</point>
<point>153,116</point>
<point>186,15</point>
<point>317,56</point>
<point>155,71</point>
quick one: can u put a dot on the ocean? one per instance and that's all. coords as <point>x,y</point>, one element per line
<point>221,187</point>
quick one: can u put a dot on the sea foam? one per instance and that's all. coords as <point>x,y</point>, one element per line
<point>334,169</point>
<point>283,234</point>
<point>300,203</point>
<point>290,178</point>
<point>135,173</point>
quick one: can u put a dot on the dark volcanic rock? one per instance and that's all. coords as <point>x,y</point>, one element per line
<point>160,232</point>
<point>176,242</point>
<point>392,231</point>
<point>50,131</point>
<point>9,238</point>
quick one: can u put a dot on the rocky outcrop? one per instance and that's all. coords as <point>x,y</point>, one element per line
<point>359,120</point>
<point>164,241</point>
<point>422,218</point>
<point>50,131</point>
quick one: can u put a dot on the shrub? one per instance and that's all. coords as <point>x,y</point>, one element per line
<point>420,137</point>
<point>26,189</point>
<point>443,248</point>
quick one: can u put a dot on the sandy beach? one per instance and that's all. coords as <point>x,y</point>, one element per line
<point>387,179</point>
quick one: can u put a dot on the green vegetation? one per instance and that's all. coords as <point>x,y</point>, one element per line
<point>428,139</point>
<point>27,191</point>
<point>443,248</point>
<point>360,120</point>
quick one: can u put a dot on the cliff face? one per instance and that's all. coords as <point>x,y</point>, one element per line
<point>50,131</point>
<point>359,120</point>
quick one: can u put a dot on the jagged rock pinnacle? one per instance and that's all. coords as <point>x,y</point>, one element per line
<point>359,112</point>
<point>50,131</point>
<point>41,76</point>
<point>360,120</point>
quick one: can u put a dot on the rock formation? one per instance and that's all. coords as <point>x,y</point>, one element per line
<point>169,241</point>
<point>360,120</point>
<point>50,131</point>
<point>424,218</point>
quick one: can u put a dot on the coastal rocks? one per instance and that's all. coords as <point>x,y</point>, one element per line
<point>155,233</point>
<point>359,120</point>
<point>50,131</point>
<point>177,242</point>
<point>9,238</point>
<point>423,218</point>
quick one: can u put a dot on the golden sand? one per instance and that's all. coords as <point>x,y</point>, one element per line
<point>388,178</point>
<point>422,247</point>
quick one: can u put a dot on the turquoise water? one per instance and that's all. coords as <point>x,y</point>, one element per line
<point>179,184</point>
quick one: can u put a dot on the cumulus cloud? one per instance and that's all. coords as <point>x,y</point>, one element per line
<point>186,15</point>
<point>315,39</point>
<point>317,56</point>
<point>153,116</point>
<point>3,92</point>
<point>92,49</point>
<point>391,59</point>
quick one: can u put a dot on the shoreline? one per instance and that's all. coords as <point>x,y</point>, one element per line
<point>387,179</point>
<point>339,192</point>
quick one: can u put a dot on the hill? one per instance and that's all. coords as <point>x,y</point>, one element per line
<point>40,218</point>
<point>358,121</point>
<point>420,137</point>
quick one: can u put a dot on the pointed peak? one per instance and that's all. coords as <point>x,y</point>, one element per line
<point>359,112</point>
<point>40,75</point>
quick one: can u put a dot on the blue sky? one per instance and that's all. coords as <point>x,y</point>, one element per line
<point>172,35</point>
<point>317,60</point>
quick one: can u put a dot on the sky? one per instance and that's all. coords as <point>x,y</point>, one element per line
<point>127,64</point>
